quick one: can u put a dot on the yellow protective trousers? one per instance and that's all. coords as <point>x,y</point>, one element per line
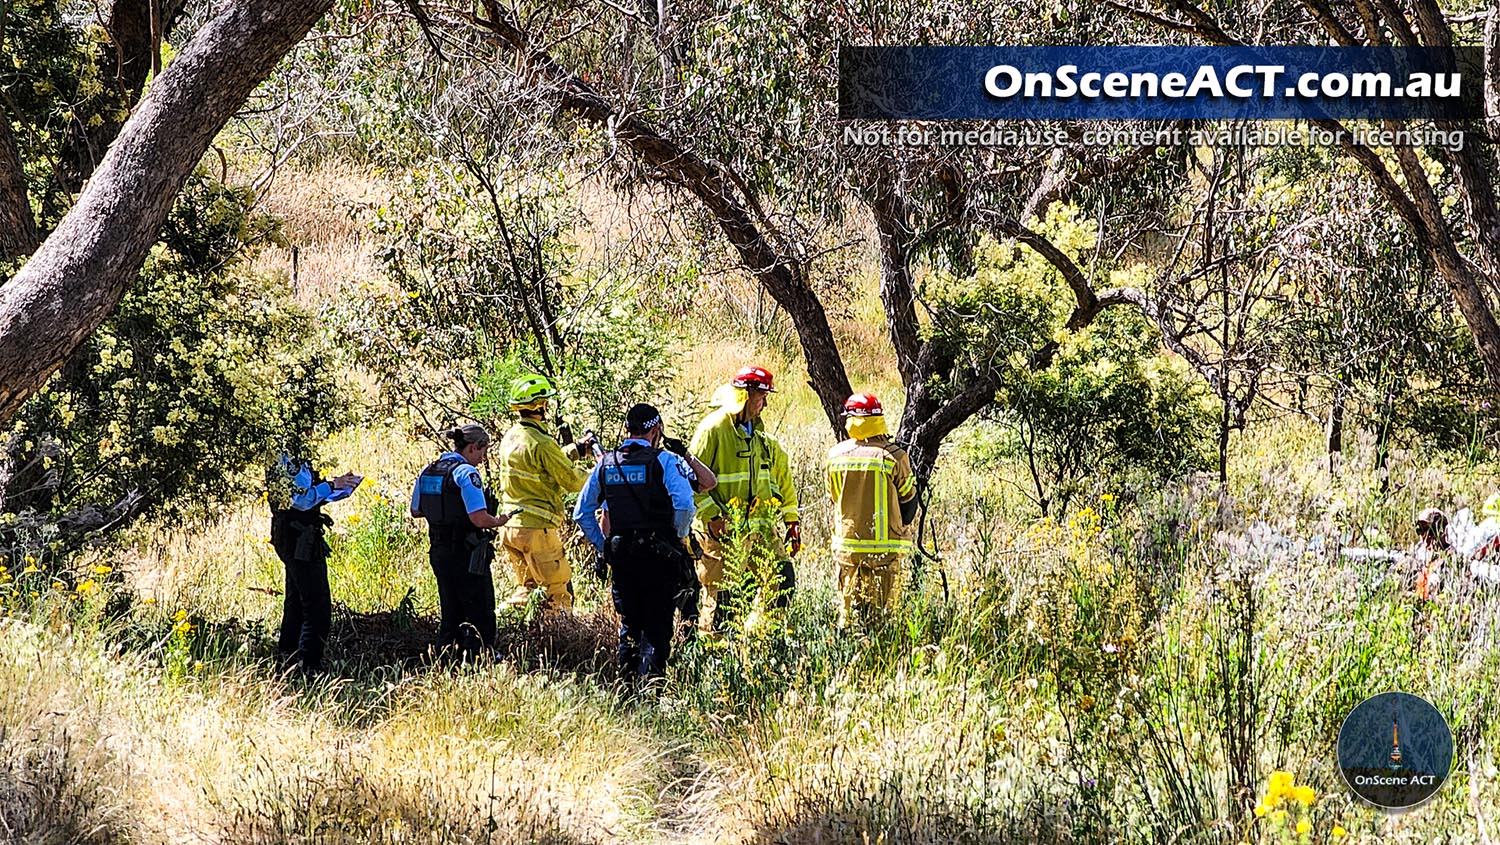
<point>869,585</point>
<point>536,556</point>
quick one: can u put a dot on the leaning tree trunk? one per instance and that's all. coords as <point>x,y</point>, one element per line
<point>716,187</point>
<point>79,274</point>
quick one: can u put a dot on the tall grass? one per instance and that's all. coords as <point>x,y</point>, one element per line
<point>1132,674</point>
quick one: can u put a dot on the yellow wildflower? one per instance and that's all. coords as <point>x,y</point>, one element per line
<point>101,569</point>
<point>87,587</point>
<point>1303,826</point>
<point>1338,832</point>
<point>1304,795</point>
<point>30,559</point>
<point>1281,783</point>
<point>1260,811</point>
<point>149,600</point>
<point>180,615</point>
<point>1278,816</point>
<point>1107,498</point>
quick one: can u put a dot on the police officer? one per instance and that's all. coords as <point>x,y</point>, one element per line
<point>648,493</point>
<point>296,495</point>
<point>535,472</point>
<point>450,496</point>
<point>875,500</point>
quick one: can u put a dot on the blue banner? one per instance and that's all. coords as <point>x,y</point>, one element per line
<point>1158,83</point>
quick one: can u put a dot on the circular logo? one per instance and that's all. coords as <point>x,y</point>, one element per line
<point>1395,750</point>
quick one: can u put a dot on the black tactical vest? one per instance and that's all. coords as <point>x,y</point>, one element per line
<point>636,491</point>
<point>440,501</point>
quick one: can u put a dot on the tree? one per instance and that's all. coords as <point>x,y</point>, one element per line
<point>1463,245</point>
<point>203,368</point>
<point>722,192</point>
<point>79,273</point>
<point>721,102</point>
<point>69,88</point>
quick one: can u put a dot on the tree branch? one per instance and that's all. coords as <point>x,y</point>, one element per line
<point>897,293</point>
<point>79,274</point>
<point>778,274</point>
<point>18,236</point>
<point>1330,23</point>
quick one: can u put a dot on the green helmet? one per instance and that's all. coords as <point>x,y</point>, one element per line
<point>530,389</point>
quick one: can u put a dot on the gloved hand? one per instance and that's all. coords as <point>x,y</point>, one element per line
<point>794,537</point>
<point>675,446</point>
<point>601,566</point>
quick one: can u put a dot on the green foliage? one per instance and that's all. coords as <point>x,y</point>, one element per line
<point>203,369</point>
<point>1374,324</point>
<point>614,360</point>
<point>1110,407</point>
<point>370,566</point>
<point>469,281</point>
<point>48,83</point>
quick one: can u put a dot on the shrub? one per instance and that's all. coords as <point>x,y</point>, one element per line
<point>204,369</point>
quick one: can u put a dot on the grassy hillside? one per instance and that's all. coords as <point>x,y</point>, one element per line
<point>1133,672</point>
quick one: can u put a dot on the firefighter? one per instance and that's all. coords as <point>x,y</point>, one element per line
<point>875,500</point>
<point>535,473</point>
<point>648,493</point>
<point>450,496</point>
<point>754,474</point>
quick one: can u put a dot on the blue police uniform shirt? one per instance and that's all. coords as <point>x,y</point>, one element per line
<point>308,495</point>
<point>675,472</point>
<point>466,476</point>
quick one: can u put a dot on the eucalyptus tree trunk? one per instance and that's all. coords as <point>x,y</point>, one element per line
<point>77,276</point>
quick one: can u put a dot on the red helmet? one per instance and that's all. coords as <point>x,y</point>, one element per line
<point>863,405</point>
<point>756,377</point>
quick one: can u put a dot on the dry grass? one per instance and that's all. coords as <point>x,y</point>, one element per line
<point>957,724</point>
<point>325,214</point>
<point>951,740</point>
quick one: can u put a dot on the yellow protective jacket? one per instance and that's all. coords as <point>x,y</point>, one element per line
<point>868,480</point>
<point>749,467</point>
<point>535,473</point>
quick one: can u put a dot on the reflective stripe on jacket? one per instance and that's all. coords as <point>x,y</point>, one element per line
<point>535,472</point>
<point>868,479</point>
<point>748,467</point>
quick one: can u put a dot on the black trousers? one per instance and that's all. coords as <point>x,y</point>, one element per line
<point>466,601</point>
<point>307,607</point>
<point>644,585</point>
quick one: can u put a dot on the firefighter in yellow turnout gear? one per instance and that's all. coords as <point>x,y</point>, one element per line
<point>752,468</point>
<point>875,500</point>
<point>535,473</point>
